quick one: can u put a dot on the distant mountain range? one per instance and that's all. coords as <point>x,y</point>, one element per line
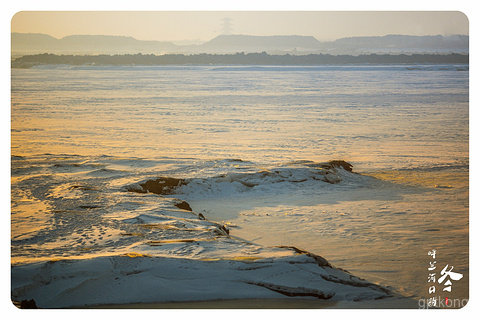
<point>34,43</point>
<point>398,43</point>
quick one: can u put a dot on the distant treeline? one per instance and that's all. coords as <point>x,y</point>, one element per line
<point>235,59</point>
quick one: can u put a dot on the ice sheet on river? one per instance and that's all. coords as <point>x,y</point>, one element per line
<point>103,244</point>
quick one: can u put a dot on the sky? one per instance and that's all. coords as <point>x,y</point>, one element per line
<point>205,25</point>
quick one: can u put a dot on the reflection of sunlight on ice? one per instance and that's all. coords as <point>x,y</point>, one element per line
<point>29,216</point>
<point>182,115</point>
<point>429,179</point>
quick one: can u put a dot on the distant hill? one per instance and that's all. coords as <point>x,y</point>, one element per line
<point>34,43</point>
<point>30,43</point>
<point>29,40</point>
<point>239,43</point>
<point>400,43</point>
<point>393,44</point>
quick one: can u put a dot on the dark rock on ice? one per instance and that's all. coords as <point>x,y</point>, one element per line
<point>83,188</point>
<point>338,164</point>
<point>28,304</point>
<point>89,206</point>
<point>183,205</point>
<point>162,185</point>
<point>322,262</point>
<point>221,230</point>
<point>295,292</point>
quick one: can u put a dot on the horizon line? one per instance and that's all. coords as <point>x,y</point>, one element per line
<point>279,35</point>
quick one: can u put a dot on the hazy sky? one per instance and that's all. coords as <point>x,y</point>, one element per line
<point>178,26</point>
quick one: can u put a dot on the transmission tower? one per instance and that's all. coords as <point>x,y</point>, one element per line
<point>227,26</point>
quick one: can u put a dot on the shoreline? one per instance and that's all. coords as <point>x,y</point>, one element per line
<point>281,303</point>
<point>395,302</point>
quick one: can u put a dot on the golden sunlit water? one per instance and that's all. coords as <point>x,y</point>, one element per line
<point>80,131</point>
